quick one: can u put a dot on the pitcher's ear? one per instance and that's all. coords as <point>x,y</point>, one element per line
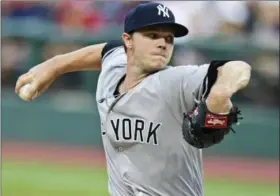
<point>127,40</point>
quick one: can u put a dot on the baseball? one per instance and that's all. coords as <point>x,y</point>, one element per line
<point>25,92</point>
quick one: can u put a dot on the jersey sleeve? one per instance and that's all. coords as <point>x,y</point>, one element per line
<point>183,84</point>
<point>110,47</point>
<point>113,56</point>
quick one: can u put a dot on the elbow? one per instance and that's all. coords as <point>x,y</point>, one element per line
<point>240,65</point>
<point>232,77</point>
<point>236,69</point>
<point>243,65</point>
<point>244,70</point>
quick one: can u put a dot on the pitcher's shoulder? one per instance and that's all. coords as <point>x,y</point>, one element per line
<point>181,70</point>
<point>113,55</point>
<point>111,47</point>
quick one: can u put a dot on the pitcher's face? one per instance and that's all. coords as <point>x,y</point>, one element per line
<point>152,47</point>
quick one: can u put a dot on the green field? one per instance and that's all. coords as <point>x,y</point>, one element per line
<point>31,179</point>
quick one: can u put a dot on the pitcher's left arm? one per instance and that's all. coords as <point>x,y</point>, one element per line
<point>214,114</point>
<point>232,77</point>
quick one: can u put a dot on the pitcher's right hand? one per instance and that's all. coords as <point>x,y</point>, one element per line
<point>39,78</point>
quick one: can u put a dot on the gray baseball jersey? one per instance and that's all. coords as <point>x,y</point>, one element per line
<point>141,129</point>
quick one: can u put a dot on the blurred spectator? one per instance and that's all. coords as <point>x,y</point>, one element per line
<point>24,9</point>
<point>265,31</point>
<point>78,15</point>
<point>250,24</point>
<point>127,5</point>
<point>115,11</point>
<point>110,10</point>
<point>208,18</point>
<point>233,16</point>
<point>14,55</point>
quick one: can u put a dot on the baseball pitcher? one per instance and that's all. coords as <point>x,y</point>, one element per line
<point>155,118</point>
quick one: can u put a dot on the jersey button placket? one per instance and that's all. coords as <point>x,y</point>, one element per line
<point>103,129</point>
<point>120,149</point>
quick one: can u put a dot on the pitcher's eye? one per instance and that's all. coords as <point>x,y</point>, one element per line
<point>153,35</point>
<point>169,39</point>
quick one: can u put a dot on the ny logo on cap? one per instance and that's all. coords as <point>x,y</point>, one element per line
<point>163,10</point>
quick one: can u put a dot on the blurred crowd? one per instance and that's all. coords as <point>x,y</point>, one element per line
<point>86,15</point>
<point>203,18</point>
<point>257,19</point>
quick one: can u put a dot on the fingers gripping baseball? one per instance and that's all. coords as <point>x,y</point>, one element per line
<point>23,80</point>
<point>27,87</point>
<point>33,83</point>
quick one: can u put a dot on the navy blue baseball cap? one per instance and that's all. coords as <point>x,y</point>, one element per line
<point>152,14</point>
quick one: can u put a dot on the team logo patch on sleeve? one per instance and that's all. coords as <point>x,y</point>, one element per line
<point>216,121</point>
